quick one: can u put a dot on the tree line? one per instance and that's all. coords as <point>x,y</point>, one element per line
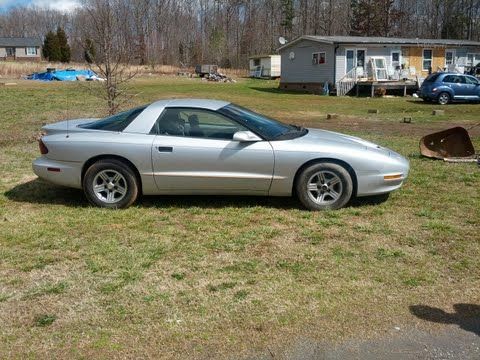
<point>226,32</point>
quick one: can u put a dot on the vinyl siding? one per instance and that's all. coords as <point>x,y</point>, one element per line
<point>20,53</point>
<point>385,52</point>
<point>301,69</point>
<point>461,55</point>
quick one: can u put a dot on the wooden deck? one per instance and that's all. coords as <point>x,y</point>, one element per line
<point>404,85</point>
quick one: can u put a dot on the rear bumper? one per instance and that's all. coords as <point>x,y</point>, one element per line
<point>59,172</point>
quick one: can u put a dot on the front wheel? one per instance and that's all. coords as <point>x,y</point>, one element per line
<point>110,184</point>
<point>324,186</point>
<point>443,98</point>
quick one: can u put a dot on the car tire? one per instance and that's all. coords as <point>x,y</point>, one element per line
<point>110,184</point>
<point>324,186</point>
<point>443,98</point>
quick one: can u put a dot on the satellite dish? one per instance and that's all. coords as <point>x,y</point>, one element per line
<point>282,40</point>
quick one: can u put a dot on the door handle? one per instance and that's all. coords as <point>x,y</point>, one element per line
<point>165,148</point>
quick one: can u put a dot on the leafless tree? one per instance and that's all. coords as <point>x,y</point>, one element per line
<point>105,27</point>
<point>187,32</point>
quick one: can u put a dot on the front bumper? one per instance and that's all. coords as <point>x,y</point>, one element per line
<point>390,178</point>
<point>64,173</point>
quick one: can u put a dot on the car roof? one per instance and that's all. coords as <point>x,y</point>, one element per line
<point>192,103</point>
<point>143,123</point>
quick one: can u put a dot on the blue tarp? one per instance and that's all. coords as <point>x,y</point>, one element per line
<point>63,75</point>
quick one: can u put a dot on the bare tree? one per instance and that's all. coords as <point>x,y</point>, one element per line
<point>107,19</point>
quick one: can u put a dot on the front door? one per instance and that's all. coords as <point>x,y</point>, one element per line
<point>194,152</point>
<point>396,59</point>
<point>450,60</point>
<point>350,59</point>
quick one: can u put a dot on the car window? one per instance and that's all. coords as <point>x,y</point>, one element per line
<point>471,80</point>
<point>117,122</point>
<point>198,123</point>
<point>454,79</point>
<point>431,78</point>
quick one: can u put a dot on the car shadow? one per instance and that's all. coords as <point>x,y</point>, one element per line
<point>434,103</point>
<point>40,192</point>
<point>466,316</point>
<point>275,90</point>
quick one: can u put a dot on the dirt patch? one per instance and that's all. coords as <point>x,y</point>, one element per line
<point>383,127</point>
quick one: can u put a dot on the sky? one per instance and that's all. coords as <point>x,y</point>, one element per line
<point>62,5</point>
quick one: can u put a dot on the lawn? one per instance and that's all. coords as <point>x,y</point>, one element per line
<point>178,277</point>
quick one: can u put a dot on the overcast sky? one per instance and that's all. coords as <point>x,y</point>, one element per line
<point>62,5</point>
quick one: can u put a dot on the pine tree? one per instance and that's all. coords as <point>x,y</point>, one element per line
<point>51,47</point>
<point>89,51</point>
<point>64,48</point>
<point>288,12</point>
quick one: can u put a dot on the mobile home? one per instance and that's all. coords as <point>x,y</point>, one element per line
<point>309,62</point>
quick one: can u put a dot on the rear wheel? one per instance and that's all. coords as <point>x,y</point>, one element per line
<point>110,184</point>
<point>324,186</point>
<point>443,98</point>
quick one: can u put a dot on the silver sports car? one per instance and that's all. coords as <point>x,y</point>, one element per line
<point>190,146</point>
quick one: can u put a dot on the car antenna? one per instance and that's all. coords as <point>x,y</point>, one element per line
<point>68,121</point>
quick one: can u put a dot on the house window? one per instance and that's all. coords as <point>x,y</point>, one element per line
<point>10,51</point>
<point>256,62</point>
<point>319,58</point>
<point>32,50</point>
<point>427,59</point>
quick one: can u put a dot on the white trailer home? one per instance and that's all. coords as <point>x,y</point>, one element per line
<point>265,66</point>
<point>349,62</point>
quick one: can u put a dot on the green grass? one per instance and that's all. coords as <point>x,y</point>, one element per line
<point>216,276</point>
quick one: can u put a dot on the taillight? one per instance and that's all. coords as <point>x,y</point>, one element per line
<point>43,148</point>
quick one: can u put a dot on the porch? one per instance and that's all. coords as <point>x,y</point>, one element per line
<point>405,86</point>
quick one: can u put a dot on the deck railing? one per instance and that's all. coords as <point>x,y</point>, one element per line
<point>347,83</point>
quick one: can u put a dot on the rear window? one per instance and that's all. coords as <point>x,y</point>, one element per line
<point>431,78</point>
<point>117,122</point>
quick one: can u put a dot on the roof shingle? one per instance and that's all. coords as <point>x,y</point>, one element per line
<point>20,41</point>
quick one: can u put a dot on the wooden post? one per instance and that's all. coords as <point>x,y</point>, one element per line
<point>404,90</point>
<point>358,90</point>
<point>372,93</point>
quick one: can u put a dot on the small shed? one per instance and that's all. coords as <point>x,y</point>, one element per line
<point>265,66</point>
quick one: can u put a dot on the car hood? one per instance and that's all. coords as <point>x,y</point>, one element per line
<point>318,136</point>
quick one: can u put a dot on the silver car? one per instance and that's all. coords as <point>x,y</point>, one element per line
<point>191,146</point>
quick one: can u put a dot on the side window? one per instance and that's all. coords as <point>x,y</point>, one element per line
<point>471,81</point>
<point>197,123</point>
<point>454,79</point>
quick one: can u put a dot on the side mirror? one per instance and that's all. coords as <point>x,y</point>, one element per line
<point>245,136</point>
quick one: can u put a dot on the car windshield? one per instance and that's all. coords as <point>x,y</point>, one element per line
<point>117,122</point>
<point>268,128</point>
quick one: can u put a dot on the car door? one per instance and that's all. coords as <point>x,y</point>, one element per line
<point>472,87</point>
<point>194,152</point>
<point>457,84</point>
